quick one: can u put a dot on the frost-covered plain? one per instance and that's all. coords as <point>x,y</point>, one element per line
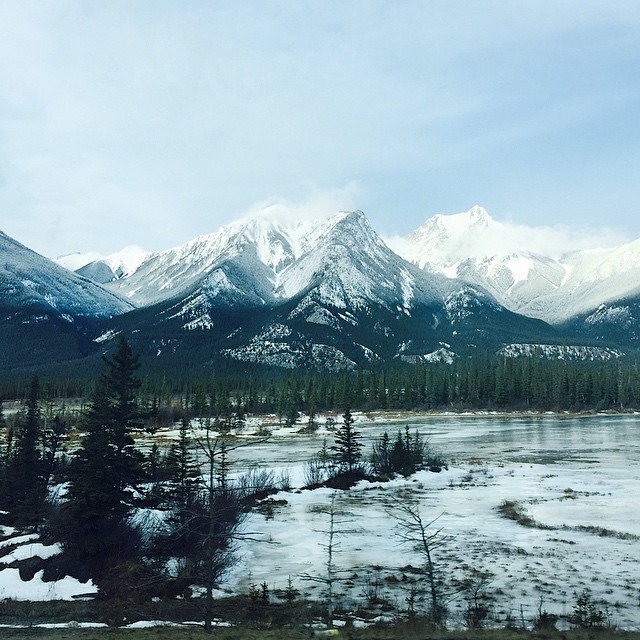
<point>578,479</point>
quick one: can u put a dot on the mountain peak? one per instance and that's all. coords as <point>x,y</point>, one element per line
<point>478,216</point>
<point>350,217</point>
<point>121,263</point>
<point>459,223</point>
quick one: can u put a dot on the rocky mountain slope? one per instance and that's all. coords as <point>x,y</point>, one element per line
<point>45,310</point>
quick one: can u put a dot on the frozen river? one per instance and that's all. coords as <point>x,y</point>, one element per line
<point>589,439</point>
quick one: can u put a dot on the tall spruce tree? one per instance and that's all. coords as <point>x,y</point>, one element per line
<point>348,446</point>
<point>185,479</point>
<point>25,480</point>
<point>104,470</point>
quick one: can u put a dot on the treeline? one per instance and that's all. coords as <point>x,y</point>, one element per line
<point>485,382</point>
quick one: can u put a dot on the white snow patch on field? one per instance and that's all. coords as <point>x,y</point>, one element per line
<point>9,542</point>
<point>12,587</point>
<point>35,550</point>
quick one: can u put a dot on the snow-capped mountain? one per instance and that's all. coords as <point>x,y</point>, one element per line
<point>44,308</point>
<point>325,300</point>
<point>31,280</point>
<point>103,269</point>
<point>349,266</point>
<point>511,263</point>
<point>242,258</point>
<point>293,294</point>
<point>443,241</point>
<point>332,294</point>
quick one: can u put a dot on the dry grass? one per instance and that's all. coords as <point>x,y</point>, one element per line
<point>515,511</point>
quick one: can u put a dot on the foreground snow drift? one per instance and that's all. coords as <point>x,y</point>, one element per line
<point>12,587</point>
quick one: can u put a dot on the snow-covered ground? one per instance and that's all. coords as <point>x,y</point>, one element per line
<point>577,478</point>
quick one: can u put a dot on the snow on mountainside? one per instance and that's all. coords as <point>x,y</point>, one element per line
<point>351,267</point>
<point>260,246</point>
<point>275,261</point>
<point>519,267</point>
<point>29,280</point>
<point>103,269</point>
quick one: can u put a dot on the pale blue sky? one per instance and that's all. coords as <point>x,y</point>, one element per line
<point>151,122</point>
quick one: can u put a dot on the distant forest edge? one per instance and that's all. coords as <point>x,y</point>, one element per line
<point>485,382</point>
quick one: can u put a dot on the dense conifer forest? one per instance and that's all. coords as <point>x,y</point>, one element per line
<point>480,383</point>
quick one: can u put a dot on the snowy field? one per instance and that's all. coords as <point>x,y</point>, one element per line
<point>576,479</point>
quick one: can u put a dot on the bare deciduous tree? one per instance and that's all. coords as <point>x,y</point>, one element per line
<point>421,534</point>
<point>330,577</point>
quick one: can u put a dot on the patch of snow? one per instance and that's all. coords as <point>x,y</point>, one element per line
<point>72,624</point>
<point>12,587</point>
<point>149,522</point>
<point>520,267</point>
<point>33,550</point>
<point>107,335</point>
<point>21,539</point>
<point>203,322</point>
<point>619,315</point>
<point>560,352</point>
<point>322,316</point>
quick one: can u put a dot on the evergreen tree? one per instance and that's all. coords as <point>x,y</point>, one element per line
<point>381,456</point>
<point>54,437</point>
<point>104,471</point>
<point>348,446</point>
<point>25,480</point>
<point>185,477</point>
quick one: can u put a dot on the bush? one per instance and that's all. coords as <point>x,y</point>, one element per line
<point>585,613</point>
<point>314,472</point>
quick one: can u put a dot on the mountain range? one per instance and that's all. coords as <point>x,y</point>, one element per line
<point>329,294</point>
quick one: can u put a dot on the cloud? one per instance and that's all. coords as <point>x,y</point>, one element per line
<point>318,205</point>
<point>554,241</point>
